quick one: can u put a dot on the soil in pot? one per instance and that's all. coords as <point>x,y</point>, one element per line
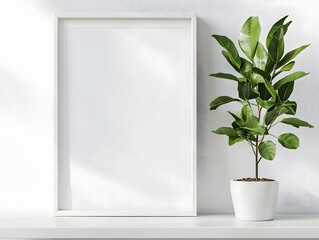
<point>255,180</point>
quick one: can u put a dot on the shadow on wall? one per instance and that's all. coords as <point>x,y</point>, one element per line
<point>13,90</point>
<point>17,127</point>
<point>213,181</point>
<point>297,199</point>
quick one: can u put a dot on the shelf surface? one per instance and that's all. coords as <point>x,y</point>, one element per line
<point>205,226</point>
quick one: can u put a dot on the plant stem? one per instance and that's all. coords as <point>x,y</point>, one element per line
<point>272,135</point>
<point>252,147</point>
<point>273,73</point>
<point>256,157</point>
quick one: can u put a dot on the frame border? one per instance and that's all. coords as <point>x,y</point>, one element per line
<point>61,16</point>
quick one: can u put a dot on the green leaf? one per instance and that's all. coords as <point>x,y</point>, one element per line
<point>235,125</point>
<point>242,79</point>
<point>246,68</point>
<point>246,91</point>
<point>289,78</point>
<point>257,78</point>
<point>222,100</point>
<point>267,150</point>
<point>229,60</point>
<point>285,26</point>
<point>272,113</point>
<point>274,29</point>
<point>265,74</point>
<point>238,118</point>
<point>226,131</point>
<point>291,107</point>
<point>287,67</point>
<point>253,127</point>
<point>263,92</point>
<point>265,104</point>
<point>269,66</point>
<point>245,134</point>
<point>285,91</point>
<point>276,46</point>
<point>246,112</point>
<point>249,36</point>
<point>289,140</point>
<point>242,133</point>
<point>270,89</point>
<point>236,115</point>
<point>224,75</point>
<point>233,140</point>
<point>227,44</point>
<point>296,122</point>
<point>261,57</point>
<point>291,55</point>
<point>231,133</point>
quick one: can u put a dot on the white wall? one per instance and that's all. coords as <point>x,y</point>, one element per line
<point>26,99</point>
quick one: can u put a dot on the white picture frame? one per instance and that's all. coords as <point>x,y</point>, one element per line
<point>90,179</point>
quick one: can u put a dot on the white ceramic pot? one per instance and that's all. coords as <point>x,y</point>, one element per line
<point>254,201</point>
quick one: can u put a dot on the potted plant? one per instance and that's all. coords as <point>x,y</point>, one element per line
<point>264,84</point>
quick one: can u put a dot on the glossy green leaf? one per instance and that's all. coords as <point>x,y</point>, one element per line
<point>242,79</point>
<point>265,104</point>
<point>274,29</point>
<point>235,125</point>
<point>263,73</point>
<point>289,78</point>
<point>291,55</point>
<point>296,122</point>
<point>272,114</point>
<point>269,66</point>
<point>289,140</point>
<point>246,91</point>
<point>285,68</point>
<point>253,127</point>
<point>226,131</point>
<point>270,89</point>
<point>225,76</point>
<point>222,100</point>
<point>229,46</point>
<point>249,36</point>
<point>267,150</point>
<point>246,112</point>
<point>251,137</point>
<point>276,46</point>
<point>229,60</point>
<point>263,92</point>
<point>238,117</point>
<point>261,57</point>
<point>242,133</point>
<point>285,26</point>
<point>291,107</point>
<point>233,140</point>
<point>257,78</point>
<point>288,66</point>
<point>285,91</point>
<point>246,68</point>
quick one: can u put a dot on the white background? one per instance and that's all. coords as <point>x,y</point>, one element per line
<point>26,99</point>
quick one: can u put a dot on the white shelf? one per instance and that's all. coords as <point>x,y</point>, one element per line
<point>208,226</point>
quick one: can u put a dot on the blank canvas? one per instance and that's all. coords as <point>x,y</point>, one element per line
<point>126,117</point>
